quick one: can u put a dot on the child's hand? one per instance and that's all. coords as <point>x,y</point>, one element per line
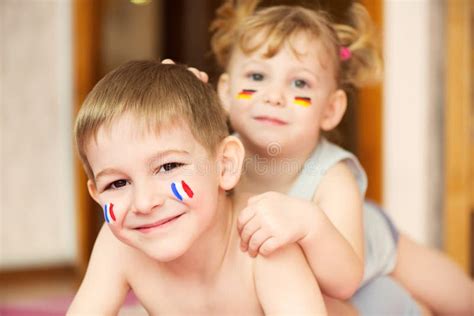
<point>200,74</point>
<point>272,220</point>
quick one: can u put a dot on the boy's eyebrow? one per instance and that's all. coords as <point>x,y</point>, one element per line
<point>154,157</point>
<point>164,153</point>
<point>105,172</point>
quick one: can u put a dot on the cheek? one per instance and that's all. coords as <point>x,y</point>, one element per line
<point>237,116</point>
<point>109,211</point>
<point>245,94</point>
<point>113,212</point>
<point>205,190</point>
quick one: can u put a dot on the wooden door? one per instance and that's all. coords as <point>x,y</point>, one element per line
<point>459,134</point>
<point>86,31</point>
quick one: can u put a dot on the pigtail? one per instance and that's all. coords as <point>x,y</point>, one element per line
<point>361,62</point>
<point>224,27</point>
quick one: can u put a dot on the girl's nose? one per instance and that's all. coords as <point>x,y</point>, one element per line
<point>274,96</point>
<point>147,197</point>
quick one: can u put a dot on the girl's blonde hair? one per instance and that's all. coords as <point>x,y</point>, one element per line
<point>238,22</point>
<point>157,95</point>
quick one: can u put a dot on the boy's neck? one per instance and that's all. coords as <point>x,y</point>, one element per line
<point>203,261</point>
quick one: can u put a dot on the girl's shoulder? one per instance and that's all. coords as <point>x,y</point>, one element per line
<point>326,157</point>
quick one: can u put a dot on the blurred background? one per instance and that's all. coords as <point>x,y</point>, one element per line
<point>413,133</point>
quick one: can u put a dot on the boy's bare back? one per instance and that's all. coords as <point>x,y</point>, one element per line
<point>232,290</point>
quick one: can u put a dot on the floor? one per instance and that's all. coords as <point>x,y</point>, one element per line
<point>46,293</point>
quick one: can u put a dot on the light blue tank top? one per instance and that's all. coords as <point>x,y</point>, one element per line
<point>325,156</point>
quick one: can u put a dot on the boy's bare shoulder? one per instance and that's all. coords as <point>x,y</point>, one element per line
<point>105,274</point>
<point>108,245</point>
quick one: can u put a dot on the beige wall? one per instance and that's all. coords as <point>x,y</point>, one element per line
<point>36,185</point>
<point>413,103</point>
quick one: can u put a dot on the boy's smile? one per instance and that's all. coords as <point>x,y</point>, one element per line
<point>135,170</point>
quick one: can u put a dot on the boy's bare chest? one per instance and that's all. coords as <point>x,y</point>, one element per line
<point>231,293</point>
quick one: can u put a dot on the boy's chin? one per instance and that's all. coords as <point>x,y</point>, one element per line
<point>165,250</point>
<point>165,255</point>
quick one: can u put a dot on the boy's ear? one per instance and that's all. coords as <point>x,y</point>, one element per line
<point>334,111</point>
<point>223,90</point>
<point>231,157</point>
<point>93,190</point>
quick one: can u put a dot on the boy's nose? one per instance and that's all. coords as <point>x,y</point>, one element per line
<point>146,198</point>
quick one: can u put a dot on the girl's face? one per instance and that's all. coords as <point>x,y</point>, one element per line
<point>280,100</point>
<point>159,191</point>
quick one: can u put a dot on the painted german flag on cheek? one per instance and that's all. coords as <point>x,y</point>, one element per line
<point>246,94</point>
<point>303,101</point>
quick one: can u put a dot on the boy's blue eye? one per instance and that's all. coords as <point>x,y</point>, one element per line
<point>299,83</point>
<point>256,76</point>
<point>170,166</point>
<point>116,184</point>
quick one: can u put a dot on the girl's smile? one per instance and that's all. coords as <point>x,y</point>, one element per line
<point>289,93</point>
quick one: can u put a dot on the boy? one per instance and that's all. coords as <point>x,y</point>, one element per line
<point>154,143</point>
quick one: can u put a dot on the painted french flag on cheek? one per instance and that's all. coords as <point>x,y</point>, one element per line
<point>182,190</point>
<point>109,212</point>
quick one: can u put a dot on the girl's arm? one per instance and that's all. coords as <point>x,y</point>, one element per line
<point>104,286</point>
<point>285,284</point>
<point>329,229</point>
<point>335,246</point>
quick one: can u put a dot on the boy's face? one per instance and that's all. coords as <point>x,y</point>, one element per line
<point>279,99</point>
<point>144,175</point>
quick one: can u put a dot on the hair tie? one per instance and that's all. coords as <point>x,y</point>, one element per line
<point>345,53</point>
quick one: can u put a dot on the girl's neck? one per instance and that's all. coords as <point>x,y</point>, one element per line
<point>266,171</point>
<point>203,261</point>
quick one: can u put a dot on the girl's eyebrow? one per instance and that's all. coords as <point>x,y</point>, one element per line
<point>157,156</point>
<point>307,70</point>
<point>252,61</point>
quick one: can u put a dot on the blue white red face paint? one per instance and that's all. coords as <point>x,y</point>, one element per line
<point>109,212</point>
<point>181,190</point>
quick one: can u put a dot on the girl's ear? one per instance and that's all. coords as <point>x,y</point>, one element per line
<point>231,156</point>
<point>223,90</point>
<point>334,111</point>
<point>93,191</point>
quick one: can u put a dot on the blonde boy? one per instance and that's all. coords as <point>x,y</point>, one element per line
<point>154,144</point>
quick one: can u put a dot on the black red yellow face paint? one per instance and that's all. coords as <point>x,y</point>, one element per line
<point>245,94</point>
<point>302,101</point>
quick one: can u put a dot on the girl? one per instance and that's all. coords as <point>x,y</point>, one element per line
<point>286,70</point>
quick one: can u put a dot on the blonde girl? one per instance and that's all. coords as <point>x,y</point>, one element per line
<point>286,70</point>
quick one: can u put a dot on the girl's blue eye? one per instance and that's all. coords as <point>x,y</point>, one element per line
<point>256,76</point>
<point>299,83</point>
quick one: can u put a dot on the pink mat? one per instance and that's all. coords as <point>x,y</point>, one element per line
<point>50,307</point>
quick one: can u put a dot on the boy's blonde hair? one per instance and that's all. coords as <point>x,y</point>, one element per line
<point>157,95</point>
<point>238,22</point>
